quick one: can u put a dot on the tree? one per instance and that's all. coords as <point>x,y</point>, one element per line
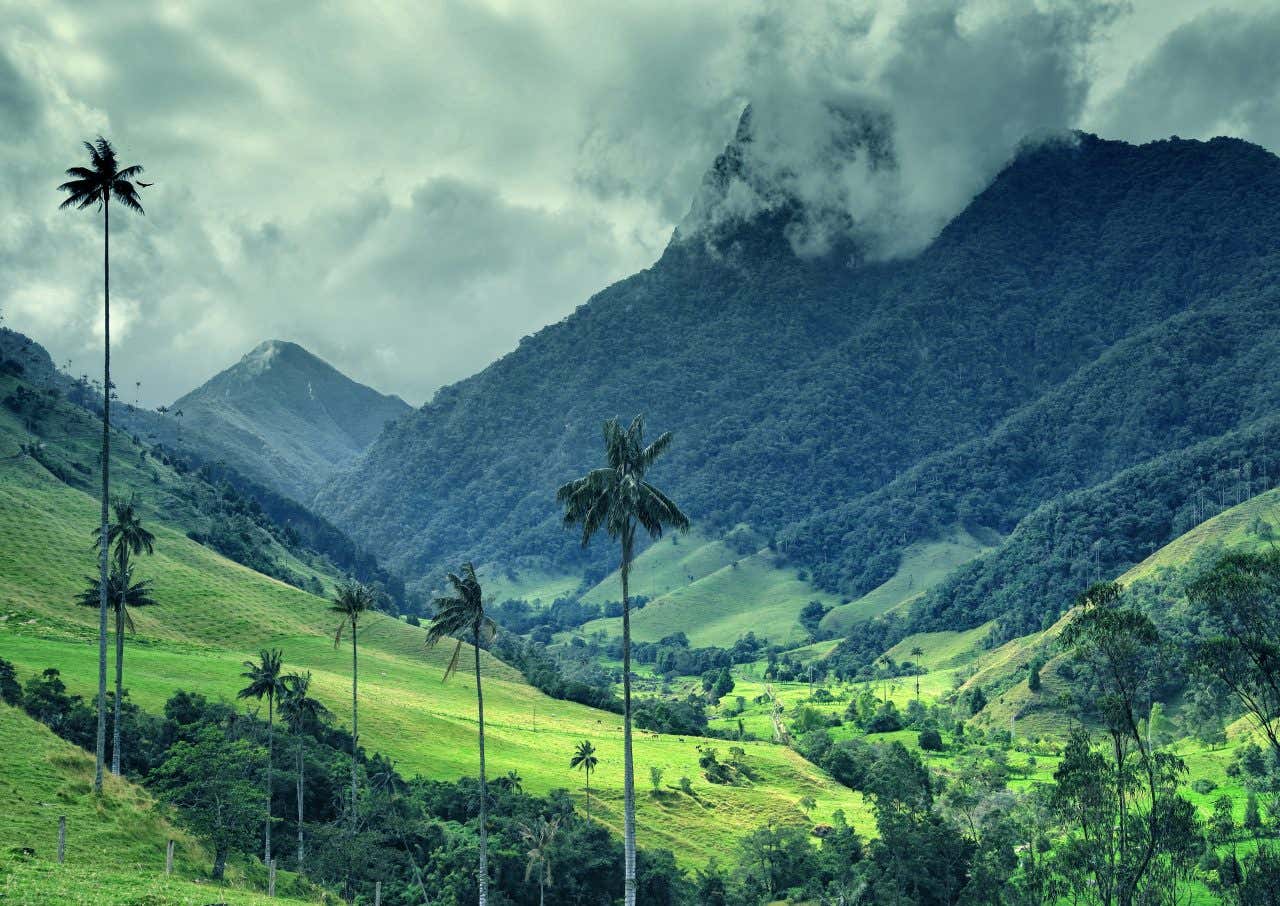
<point>266,680</point>
<point>1136,832</point>
<point>539,836</point>
<point>126,537</point>
<point>1222,822</point>
<point>303,713</point>
<point>916,653</point>
<point>617,498</point>
<point>462,614</point>
<point>584,758</point>
<point>352,601</point>
<point>212,781</point>
<point>98,184</point>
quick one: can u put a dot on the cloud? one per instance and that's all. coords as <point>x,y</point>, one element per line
<point>1218,74</point>
<point>409,190</point>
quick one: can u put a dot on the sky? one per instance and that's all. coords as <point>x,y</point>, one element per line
<point>408,189</point>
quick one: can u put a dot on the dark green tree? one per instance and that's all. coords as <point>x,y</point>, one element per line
<point>458,616</point>
<point>617,498</point>
<point>103,180</point>
<point>213,781</point>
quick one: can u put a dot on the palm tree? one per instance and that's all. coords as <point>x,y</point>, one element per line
<point>617,498</point>
<point>129,538</point>
<point>266,680</point>
<point>584,757</point>
<point>302,712</point>
<point>917,652</point>
<point>97,184</point>
<point>458,615</point>
<point>512,782</point>
<point>122,593</point>
<point>540,835</point>
<point>353,600</point>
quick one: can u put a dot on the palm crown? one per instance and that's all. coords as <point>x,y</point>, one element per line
<point>617,496</point>
<point>122,593</point>
<point>102,180</point>
<point>353,600</point>
<point>265,677</point>
<point>126,534</point>
<point>584,757</point>
<point>461,614</point>
<point>297,706</point>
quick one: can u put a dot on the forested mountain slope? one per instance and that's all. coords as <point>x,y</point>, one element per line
<point>848,408</point>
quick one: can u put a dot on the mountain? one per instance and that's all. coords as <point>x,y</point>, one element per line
<point>284,418</point>
<point>1098,306</point>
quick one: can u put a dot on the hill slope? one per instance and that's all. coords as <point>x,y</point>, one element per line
<point>213,614</point>
<point>285,418</point>
<point>1089,281</point>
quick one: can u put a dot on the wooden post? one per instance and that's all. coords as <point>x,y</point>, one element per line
<point>168,858</point>
<point>271,878</point>
<point>62,838</point>
<point>377,893</point>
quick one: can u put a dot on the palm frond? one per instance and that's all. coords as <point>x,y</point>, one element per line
<point>453,661</point>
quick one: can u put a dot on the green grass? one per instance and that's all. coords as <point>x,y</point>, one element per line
<point>752,593</point>
<point>213,614</point>
<point>924,564</point>
<point>115,842</point>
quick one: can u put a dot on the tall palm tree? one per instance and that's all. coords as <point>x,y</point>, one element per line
<point>266,680</point>
<point>462,615</point>
<point>539,835</point>
<point>127,537</point>
<point>302,713</point>
<point>97,184</point>
<point>123,593</point>
<point>584,757</point>
<point>617,498</point>
<point>352,601</point>
<point>917,652</point>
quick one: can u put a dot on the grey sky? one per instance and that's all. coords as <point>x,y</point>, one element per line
<point>407,189</point>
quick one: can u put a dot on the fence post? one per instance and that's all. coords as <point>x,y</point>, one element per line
<point>377,893</point>
<point>168,858</point>
<point>271,878</point>
<point>62,838</point>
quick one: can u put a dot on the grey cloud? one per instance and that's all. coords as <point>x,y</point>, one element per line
<point>1216,75</point>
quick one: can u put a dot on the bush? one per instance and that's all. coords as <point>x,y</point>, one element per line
<point>931,740</point>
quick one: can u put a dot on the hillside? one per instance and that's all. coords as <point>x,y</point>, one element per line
<point>115,846</point>
<point>213,614</point>
<point>284,418</point>
<point>1098,306</point>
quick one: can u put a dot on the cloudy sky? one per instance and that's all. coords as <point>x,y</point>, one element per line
<point>407,189</point>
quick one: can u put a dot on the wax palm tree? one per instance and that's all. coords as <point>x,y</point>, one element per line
<point>511,781</point>
<point>103,180</point>
<point>352,601</point>
<point>617,498</point>
<point>540,836</point>
<point>126,537</point>
<point>460,616</point>
<point>266,680</point>
<point>917,652</point>
<point>302,713</point>
<point>584,758</point>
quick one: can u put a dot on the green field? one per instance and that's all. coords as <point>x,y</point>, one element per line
<point>213,614</point>
<point>115,843</point>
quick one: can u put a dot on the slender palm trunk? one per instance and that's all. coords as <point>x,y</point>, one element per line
<point>355,719</point>
<point>101,743</point>
<point>301,790</point>
<point>482,876</point>
<point>271,748</point>
<point>628,765</point>
<point>115,729</point>
<point>588,770</point>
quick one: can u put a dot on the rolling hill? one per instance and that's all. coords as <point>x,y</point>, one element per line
<point>213,614</point>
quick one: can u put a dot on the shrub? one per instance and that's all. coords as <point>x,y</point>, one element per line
<point>931,740</point>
